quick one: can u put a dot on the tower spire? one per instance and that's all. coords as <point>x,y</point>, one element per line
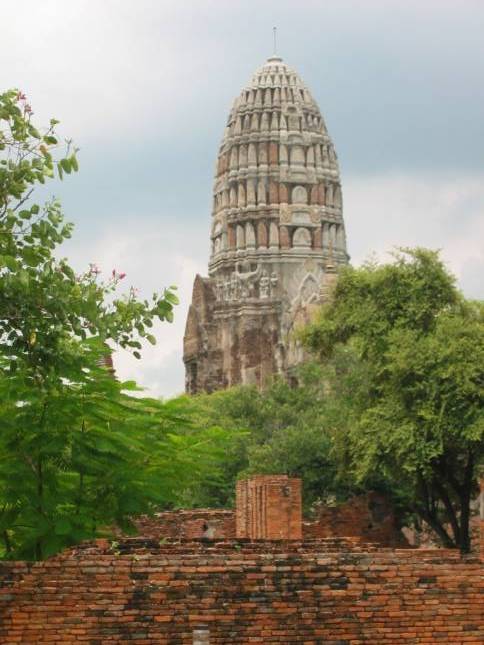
<point>269,261</point>
<point>274,35</point>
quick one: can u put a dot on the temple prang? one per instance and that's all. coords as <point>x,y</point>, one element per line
<point>277,236</point>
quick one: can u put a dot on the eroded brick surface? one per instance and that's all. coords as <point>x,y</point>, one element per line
<point>369,517</point>
<point>188,524</point>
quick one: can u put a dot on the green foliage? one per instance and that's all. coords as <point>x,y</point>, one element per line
<point>78,452</point>
<point>86,455</point>
<point>44,305</point>
<point>281,430</point>
<point>411,404</point>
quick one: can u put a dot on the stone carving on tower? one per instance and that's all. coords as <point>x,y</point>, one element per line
<point>277,236</point>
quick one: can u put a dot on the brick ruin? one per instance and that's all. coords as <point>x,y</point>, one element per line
<point>204,583</point>
<point>366,518</point>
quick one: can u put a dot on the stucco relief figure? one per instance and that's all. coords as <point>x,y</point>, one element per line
<point>219,290</point>
<point>301,238</point>
<point>285,214</point>
<point>309,290</point>
<point>264,285</point>
<point>299,195</point>
<point>299,313</point>
<point>274,281</point>
<point>315,215</point>
<point>247,279</point>
<point>204,340</point>
<point>267,284</point>
<point>234,287</point>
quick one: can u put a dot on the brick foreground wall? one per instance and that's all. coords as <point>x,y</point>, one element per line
<point>335,592</point>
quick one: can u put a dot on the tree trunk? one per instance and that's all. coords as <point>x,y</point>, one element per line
<point>465,504</point>
<point>450,510</point>
<point>40,505</point>
<point>6,539</point>
<point>428,512</point>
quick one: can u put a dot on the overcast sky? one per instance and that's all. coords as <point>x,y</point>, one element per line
<point>144,87</point>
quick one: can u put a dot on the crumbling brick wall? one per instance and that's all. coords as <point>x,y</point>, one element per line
<point>188,524</point>
<point>369,517</point>
<point>329,591</point>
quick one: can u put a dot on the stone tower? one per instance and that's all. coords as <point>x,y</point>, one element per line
<point>277,236</point>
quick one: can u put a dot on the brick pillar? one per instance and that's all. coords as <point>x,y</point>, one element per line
<point>268,507</point>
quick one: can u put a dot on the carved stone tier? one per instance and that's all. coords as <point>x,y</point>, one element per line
<point>277,223</point>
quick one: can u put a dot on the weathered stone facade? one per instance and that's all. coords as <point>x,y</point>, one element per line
<point>277,236</point>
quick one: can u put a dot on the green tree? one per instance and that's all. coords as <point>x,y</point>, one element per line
<point>78,459</point>
<point>44,305</point>
<point>77,452</point>
<point>281,430</point>
<point>411,401</point>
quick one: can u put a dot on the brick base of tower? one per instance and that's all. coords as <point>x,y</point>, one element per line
<point>230,344</point>
<point>243,342</point>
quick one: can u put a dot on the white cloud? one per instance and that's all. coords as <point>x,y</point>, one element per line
<point>161,368</point>
<point>110,68</point>
<point>385,211</point>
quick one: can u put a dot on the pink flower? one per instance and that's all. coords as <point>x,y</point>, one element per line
<point>121,276</point>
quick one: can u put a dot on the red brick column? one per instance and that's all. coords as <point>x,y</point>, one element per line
<point>268,507</point>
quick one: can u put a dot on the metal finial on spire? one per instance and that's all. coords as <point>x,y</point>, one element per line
<point>275,58</point>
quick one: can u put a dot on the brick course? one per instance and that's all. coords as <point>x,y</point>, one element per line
<point>181,590</point>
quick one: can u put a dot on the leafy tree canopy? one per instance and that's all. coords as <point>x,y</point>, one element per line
<point>281,430</point>
<point>80,458</point>
<point>77,452</point>
<point>411,403</point>
<point>44,304</point>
